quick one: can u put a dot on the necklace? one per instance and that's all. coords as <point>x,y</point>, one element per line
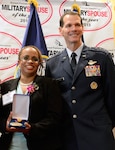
<point>25,84</point>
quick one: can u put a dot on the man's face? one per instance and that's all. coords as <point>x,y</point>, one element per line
<point>72,29</point>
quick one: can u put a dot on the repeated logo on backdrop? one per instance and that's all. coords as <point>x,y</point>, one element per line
<point>17,13</point>
<point>14,14</point>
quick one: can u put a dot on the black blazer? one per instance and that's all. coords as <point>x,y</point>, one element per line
<point>89,98</point>
<point>44,115</point>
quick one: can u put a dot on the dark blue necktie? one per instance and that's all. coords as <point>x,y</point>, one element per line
<point>73,61</point>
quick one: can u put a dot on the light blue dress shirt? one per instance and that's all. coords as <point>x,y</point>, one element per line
<point>18,141</point>
<point>77,51</point>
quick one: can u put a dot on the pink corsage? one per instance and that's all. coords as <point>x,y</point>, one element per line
<point>31,88</point>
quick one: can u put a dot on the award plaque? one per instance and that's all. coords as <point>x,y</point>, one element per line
<point>20,110</point>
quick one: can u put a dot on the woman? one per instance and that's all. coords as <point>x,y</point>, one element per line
<point>42,129</point>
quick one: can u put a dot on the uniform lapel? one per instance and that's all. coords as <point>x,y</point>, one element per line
<point>66,64</point>
<point>81,64</point>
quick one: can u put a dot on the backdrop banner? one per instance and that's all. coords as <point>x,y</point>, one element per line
<point>97,20</point>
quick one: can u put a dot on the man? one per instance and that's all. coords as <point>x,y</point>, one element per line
<point>87,91</point>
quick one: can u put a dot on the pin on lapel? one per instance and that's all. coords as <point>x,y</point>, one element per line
<point>84,56</point>
<point>64,58</point>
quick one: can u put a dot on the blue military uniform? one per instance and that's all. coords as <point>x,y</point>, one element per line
<point>89,98</point>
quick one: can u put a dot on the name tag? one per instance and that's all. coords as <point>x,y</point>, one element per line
<point>8,97</point>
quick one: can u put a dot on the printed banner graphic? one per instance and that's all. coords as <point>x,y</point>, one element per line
<point>98,18</point>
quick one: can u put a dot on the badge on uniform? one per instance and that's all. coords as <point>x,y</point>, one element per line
<point>93,85</point>
<point>92,69</point>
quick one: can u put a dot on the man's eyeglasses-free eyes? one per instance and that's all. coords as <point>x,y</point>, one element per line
<point>27,58</point>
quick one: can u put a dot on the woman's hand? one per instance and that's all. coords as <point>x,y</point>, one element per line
<point>14,129</point>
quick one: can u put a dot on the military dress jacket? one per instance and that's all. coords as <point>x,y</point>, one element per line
<point>89,98</point>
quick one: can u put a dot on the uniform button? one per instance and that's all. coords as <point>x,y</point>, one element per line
<point>0,134</point>
<point>73,101</point>
<point>74,116</point>
<point>73,88</point>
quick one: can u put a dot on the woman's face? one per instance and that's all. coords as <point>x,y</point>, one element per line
<point>29,61</point>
